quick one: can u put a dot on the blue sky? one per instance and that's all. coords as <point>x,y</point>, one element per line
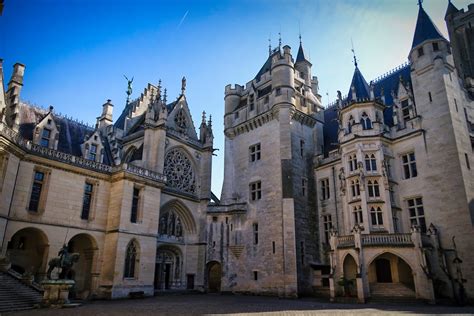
<point>77,51</point>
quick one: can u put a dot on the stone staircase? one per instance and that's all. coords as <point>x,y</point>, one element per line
<point>396,293</point>
<point>14,295</point>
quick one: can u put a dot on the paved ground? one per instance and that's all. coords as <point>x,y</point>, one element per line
<point>200,304</point>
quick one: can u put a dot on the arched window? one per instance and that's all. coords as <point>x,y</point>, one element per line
<point>131,260</point>
<point>376,217</point>
<point>370,162</point>
<point>355,188</point>
<point>357,211</point>
<point>352,162</point>
<point>373,188</point>
<point>365,121</point>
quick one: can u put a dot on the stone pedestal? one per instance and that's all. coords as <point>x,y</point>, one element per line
<point>56,292</point>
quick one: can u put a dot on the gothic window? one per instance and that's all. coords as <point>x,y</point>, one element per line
<point>93,152</point>
<point>409,165</point>
<point>170,225</point>
<point>87,200</point>
<point>357,211</point>
<point>355,188</point>
<point>36,190</point>
<point>327,225</point>
<point>352,162</point>
<point>135,205</point>
<point>376,217</point>
<point>370,162</point>
<point>180,119</point>
<point>373,188</point>
<point>405,110</point>
<point>417,213</point>
<point>45,137</point>
<point>365,121</point>
<point>325,189</point>
<point>179,172</point>
<point>131,260</point>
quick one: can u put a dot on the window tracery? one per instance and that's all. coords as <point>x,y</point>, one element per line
<point>180,119</point>
<point>170,225</point>
<point>179,172</point>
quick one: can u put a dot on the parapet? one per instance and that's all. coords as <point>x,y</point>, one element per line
<point>234,89</point>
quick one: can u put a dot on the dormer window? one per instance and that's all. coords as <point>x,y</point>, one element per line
<point>93,152</point>
<point>405,110</point>
<point>45,137</point>
<point>420,52</point>
<point>435,47</point>
<point>365,121</point>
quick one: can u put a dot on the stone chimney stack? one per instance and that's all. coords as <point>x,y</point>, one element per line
<point>13,96</point>
<point>106,117</point>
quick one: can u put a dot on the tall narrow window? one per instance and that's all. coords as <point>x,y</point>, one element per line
<point>327,225</point>
<point>302,148</point>
<point>135,203</point>
<point>87,200</point>
<point>430,97</point>
<point>255,275</point>
<point>353,162</point>
<point>273,247</point>
<point>93,152</point>
<point>131,259</point>
<point>420,52</point>
<point>302,252</point>
<point>357,212</point>
<point>435,47</point>
<point>417,213</point>
<point>405,110</point>
<point>468,165</point>
<point>373,188</point>
<point>325,195</point>
<point>255,233</point>
<point>255,190</point>
<point>304,184</point>
<point>45,136</point>
<point>38,183</point>
<point>370,162</point>
<point>254,152</point>
<point>409,165</point>
<point>365,121</point>
<point>376,217</point>
<point>355,188</point>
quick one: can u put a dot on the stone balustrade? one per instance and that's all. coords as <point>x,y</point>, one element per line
<point>142,172</point>
<point>387,240</point>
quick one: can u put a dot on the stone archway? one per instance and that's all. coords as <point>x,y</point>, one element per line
<point>214,276</point>
<point>389,274</point>
<point>350,276</point>
<point>28,251</point>
<point>86,246</point>
<point>169,268</point>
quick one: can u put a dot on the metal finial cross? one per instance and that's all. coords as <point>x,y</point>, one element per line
<point>421,1</point>
<point>353,53</point>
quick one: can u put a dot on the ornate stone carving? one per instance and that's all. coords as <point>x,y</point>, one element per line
<point>180,119</point>
<point>179,171</point>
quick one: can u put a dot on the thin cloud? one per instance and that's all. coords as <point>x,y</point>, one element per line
<point>182,19</point>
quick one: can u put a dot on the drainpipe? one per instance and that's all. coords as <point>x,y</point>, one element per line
<point>335,200</point>
<point>9,209</point>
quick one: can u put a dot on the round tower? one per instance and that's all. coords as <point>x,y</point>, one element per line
<point>232,101</point>
<point>283,74</point>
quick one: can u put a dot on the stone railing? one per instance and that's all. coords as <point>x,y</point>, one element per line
<point>387,240</point>
<point>345,241</point>
<point>142,172</point>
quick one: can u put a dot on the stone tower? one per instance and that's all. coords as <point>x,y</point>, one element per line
<point>268,220</point>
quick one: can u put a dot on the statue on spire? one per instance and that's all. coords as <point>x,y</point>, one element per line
<point>183,85</point>
<point>129,88</point>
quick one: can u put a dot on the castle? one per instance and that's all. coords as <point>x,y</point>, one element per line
<point>370,196</point>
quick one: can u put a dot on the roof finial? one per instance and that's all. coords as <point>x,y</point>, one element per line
<point>183,85</point>
<point>299,31</point>
<point>353,53</point>
<point>165,97</point>
<point>269,46</point>
<point>279,40</point>
<point>203,117</point>
<point>420,3</point>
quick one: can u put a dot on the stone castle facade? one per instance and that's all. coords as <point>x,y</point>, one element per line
<point>373,195</point>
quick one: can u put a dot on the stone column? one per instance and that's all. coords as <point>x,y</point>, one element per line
<point>332,261</point>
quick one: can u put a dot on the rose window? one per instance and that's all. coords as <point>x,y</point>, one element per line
<point>179,172</point>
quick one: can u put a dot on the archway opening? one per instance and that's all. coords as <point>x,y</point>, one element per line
<point>350,276</point>
<point>390,275</point>
<point>28,251</point>
<point>214,270</point>
<point>85,245</point>
<point>168,268</point>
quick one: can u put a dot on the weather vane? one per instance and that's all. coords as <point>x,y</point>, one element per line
<point>353,53</point>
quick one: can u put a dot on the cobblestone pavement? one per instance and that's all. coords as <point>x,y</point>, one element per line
<point>200,304</point>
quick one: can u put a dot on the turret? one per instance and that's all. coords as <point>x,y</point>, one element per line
<point>232,101</point>
<point>303,66</point>
<point>13,96</point>
<point>283,75</point>
<point>105,119</point>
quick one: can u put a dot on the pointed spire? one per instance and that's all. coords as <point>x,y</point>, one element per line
<point>203,117</point>
<point>301,56</point>
<point>451,9</point>
<point>359,88</point>
<point>165,96</point>
<point>425,29</point>
<point>354,54</point>
<point>269,46</point>
<point>209,123</point>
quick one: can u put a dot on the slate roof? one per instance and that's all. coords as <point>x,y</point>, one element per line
<point>451,9</point>
<point>360,85</point>
<point>300,56</point>
<point>425,29</point>
<point>71,133</point>
<point>267,66</point>
<point>388,83</point>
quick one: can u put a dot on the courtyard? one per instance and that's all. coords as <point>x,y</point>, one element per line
<point>215,304</point>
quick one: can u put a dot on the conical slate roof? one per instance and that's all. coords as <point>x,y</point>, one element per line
<point>451,9</point>
<point>425,29</point>
<point>360,85</point>
<point>300,56</point>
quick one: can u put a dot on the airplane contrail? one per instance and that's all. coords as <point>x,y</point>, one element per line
<point>182,19</point>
